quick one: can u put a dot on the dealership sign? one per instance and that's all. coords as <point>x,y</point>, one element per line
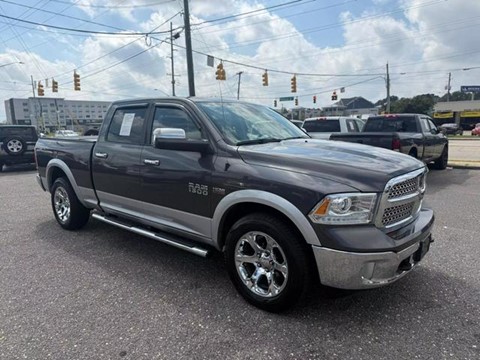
<point>470,88</point>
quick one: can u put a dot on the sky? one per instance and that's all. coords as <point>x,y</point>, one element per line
<point>121,48</point>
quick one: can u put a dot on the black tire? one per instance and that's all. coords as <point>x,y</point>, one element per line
<point>1,167</point>
<point>413,153</point>
<point>14,146</point>
<point>68,210</point>
<point>297,262</point>
<point>442,162</point>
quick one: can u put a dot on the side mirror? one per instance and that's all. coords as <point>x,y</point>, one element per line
<point>175,139</point>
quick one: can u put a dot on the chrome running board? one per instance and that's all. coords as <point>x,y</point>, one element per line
<point>169,239</point>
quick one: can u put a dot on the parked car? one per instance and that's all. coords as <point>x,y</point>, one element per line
<point>476,130</point>
<point>323,127</point>
<point>297,123</point>
<point>451,129</point>
<point>241,179</point>
<point>17,144</point>
<point>412,134</point>
<point>63,133</point>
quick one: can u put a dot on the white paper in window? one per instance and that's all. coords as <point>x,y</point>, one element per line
<point>127,123</point>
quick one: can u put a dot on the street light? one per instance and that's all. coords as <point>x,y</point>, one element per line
<point>15,62</point>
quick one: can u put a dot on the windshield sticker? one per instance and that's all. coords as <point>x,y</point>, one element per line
<point>127,123</point>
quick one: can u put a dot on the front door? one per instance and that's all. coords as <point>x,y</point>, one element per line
<point>176,184</point>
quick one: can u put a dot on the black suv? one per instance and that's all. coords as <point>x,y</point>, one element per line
<point>16,144</point>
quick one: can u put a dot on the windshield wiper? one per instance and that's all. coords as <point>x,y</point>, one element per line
<point>297,137</point>
<point>258,141</point>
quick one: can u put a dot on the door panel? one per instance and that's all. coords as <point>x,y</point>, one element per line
<point>116,159</point>
<point>176,183</point>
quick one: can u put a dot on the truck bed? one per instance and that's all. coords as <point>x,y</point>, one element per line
<point>74,152</point>
<point>378,139</point>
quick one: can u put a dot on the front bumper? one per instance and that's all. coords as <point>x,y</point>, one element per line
<point>363,270</point>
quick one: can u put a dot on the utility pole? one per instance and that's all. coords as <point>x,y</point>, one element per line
<point>33,86</point>
<point>239,80</point>
<point>188,46</point>
<point>448,86</point>
<point>388,91</point>
<point>173,68</point>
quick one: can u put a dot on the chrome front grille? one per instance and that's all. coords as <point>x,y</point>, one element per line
<point>404,188</point>
<point>401,200</point>
<point>397,213</point>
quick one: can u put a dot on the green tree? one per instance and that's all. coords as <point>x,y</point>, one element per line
<point>460,96</point>
<point>420,104</point>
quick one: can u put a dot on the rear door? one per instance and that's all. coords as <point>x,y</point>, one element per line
<point>116,159</point>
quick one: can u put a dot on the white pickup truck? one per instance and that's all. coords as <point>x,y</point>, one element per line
<point>323,127</point>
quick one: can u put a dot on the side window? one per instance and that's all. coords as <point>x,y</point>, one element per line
<point>128,126</point>
<point>360,124</point>
<point>432,125</point>
<point>170,117</point>
<point>351,126</point>
<point>424,125</point>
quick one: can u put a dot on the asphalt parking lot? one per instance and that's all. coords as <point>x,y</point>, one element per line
<point>104,293</point>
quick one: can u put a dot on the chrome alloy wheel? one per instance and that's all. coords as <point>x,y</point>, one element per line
<point>62,204</point>
<point>261,264</point>
<point>14,146</point>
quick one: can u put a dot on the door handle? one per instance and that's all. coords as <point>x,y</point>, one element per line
<point>151,162</point>
<point>101,155</point>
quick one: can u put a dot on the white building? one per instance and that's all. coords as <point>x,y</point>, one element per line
<point>50,114</point>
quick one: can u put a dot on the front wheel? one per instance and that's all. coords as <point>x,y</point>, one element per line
<point>68,210</point>
<point>268,263</point>
<point>442,162</point>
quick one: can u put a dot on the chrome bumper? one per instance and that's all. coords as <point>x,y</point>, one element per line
<point>40,182</point>
<point>351,270</point>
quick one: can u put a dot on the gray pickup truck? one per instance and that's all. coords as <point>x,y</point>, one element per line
<point>412,134</point>
<point>285,209</point>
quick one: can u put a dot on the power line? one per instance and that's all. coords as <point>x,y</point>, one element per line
<point>59,14</point>
<point>114,7</point>
<point>84,31</point>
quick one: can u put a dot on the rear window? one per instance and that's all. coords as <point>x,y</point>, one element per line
<point>322,126</point>
<point>391,124</point>
<point>26,133</point>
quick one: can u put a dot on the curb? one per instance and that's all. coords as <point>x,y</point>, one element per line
<point>464,164</point>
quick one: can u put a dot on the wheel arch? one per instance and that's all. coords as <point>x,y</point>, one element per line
<point>243,202</point>
<point>57,168</point>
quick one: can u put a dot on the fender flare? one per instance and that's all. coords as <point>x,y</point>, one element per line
<point>57,163</point>
<point>264,198</point>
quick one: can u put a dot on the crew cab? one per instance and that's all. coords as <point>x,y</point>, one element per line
<point>209,175</point>
<point>323,127</point>
<point>412,134</point>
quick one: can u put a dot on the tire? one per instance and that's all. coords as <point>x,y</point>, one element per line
<point>14,146</point>
<point>69,212</point>
<point>442,162</point>
<point>273,253</point>
<point>413,153</point>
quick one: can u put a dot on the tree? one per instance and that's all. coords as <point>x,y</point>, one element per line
<point>460,96</point>
<point>420,104</point>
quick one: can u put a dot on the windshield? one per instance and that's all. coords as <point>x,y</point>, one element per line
<point>328,126</point>
<point>243,123</point>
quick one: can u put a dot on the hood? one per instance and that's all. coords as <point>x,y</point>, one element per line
<point>363,167</point>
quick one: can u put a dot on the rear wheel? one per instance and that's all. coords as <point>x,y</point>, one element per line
<point>14,146</point>
<point>442,162</point>
<point>68,210</point>
<point>267,262</point>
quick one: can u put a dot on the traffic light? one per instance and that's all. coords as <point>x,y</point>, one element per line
<point>314,99</point>
<point>76,81</point>
<point>220,73</point>
<point>296,101</point>
<point>334,95</point>
<point>274,103</point>
<point>293,83</point>
<point>265,78</point>
<point>40,90</point>
<point>54,85</point>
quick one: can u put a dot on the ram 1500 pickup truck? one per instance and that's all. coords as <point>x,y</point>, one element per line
<point>285,209</point>
<point>412,134</point>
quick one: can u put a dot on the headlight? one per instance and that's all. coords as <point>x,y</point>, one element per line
<point>344,209</point>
